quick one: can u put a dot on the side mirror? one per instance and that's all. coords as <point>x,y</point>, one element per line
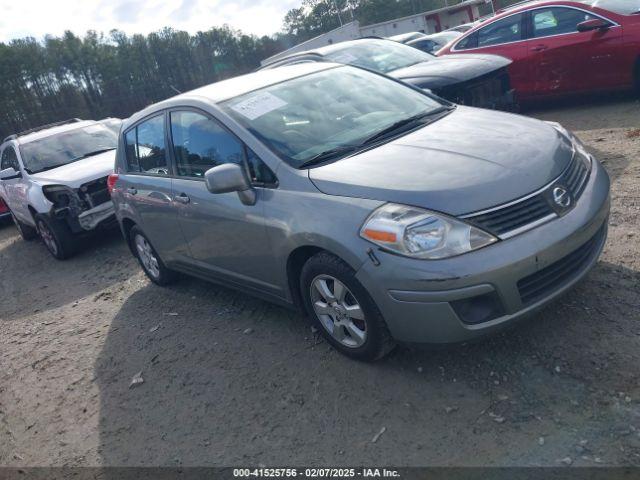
<point>9,174</point>
<point>230,178</point>
<point>594,24</point>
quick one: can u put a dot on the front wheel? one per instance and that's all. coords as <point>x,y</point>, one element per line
<point>57,237</point>
<point>342,309</point>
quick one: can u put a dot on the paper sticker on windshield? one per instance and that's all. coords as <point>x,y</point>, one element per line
<point>258,105</point>
<point>344,57</point>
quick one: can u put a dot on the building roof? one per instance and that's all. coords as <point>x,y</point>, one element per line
<point>448,8</point>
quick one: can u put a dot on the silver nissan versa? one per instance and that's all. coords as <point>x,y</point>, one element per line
<point>384,212</point>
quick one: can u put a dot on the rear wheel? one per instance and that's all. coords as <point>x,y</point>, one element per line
<point>636,77</point>
<point>57,237</point>
<point>149,259</point>
<point>27,232</point>
<point>342,309</point>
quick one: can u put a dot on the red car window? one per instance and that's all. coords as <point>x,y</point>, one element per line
<point>506,30</point>
<point>557,21</point>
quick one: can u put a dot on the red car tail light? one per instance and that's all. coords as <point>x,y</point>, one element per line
<point>111,182</point>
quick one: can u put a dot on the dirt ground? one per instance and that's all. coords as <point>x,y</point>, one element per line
<point>561,389</point>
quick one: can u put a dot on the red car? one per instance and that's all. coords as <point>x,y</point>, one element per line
<point>562,47</point>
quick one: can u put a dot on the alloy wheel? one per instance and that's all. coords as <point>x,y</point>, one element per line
<point>339,311</point>
<point>147,257</point>
<point>47,237</point>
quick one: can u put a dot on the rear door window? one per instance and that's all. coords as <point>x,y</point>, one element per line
<point>506,30</point>
<point>145,147</point>
<point>557,21</point>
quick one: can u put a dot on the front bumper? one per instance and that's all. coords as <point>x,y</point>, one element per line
<point>90,219</point>
<point>418,298</point>
<point>504,101</point>
<point>492,91</point>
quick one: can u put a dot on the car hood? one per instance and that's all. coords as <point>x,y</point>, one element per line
<point>77,173</point>
<point>470,160</point>
<point>450,69</point>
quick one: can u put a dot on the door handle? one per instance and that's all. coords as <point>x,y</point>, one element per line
<point>182,198</point>
<point>132,191</point>
<point>539,48</point>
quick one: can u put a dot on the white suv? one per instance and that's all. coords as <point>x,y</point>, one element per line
<point>54,181</point>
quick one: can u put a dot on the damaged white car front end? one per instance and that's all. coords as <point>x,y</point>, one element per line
<point>83,201</point>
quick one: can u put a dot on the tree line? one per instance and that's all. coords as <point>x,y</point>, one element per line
<point>113,75</point>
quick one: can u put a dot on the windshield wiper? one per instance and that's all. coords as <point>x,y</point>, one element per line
<point>345,149</point>
<point>403,123</point>
<point>50,167</point>
<point>328,154</point>
<point>92,153</point>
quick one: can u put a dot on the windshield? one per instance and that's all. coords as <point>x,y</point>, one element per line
<point>621,7</point>
<point>380,55</point>
<point>63,148</point>
<point>445,37</point>
<point>341,107</point>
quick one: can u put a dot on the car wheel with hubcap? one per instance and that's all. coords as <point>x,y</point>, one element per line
<point>57,237</point>
<point>342,309</point>
<point>27,232</point>
<point>149,260</point>
<point>338,311</point>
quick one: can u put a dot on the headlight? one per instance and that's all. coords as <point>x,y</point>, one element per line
<point>578,147</point>
<point>59,195</point>
<point>418,233</point>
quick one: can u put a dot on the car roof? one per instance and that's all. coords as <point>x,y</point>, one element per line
<point>323,51</point>
<point>227,89</point>
<point>342,45</point>
<point>526,5</point>
<point>438,36</point>
<point>404,36</point>
<point>48,132</point>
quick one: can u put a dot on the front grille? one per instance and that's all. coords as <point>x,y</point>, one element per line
<point>575,177</point>
<point>95,193</point>
<point>502,221</point>
<point>540,284</point>
<point>487,91</point>
<point>515,216</point>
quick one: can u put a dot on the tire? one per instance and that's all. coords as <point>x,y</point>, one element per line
<point>149,260</point>
<point>358,329</point>
<point>57,237</point>
<point>636,77</point>
<point>27,232</point>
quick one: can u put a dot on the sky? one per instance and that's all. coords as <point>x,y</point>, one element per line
<point>37,18</point>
